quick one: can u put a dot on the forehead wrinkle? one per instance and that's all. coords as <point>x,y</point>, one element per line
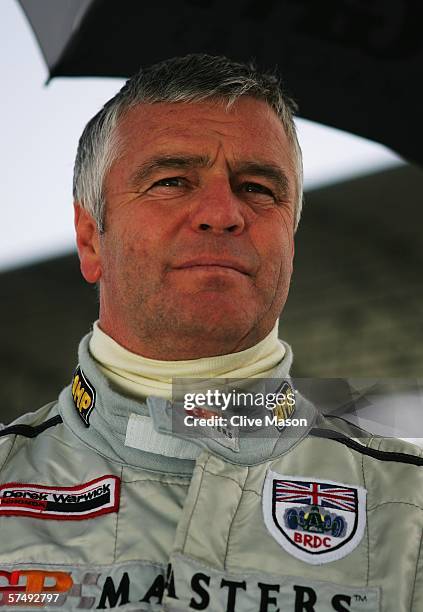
<point>179,161</point>
<point>183,161</point>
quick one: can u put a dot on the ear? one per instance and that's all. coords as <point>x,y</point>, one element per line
<point>88,243</point>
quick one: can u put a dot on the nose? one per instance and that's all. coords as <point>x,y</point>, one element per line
<point>218,210</point>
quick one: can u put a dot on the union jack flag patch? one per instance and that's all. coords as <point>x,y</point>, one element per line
<point>317,521</point>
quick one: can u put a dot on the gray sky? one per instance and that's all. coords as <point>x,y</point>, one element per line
<point>40,129</point>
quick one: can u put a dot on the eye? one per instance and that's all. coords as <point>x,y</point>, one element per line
<point>260,190</point>
<point>172,181</point>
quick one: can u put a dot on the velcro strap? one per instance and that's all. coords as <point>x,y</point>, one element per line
<point>140,433</point>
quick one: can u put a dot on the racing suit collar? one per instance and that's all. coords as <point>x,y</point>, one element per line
<point>106,425</point>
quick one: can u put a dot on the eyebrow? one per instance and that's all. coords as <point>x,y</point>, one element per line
<point>269,171</point>
<point>187,162</point>
<point>161,162</point>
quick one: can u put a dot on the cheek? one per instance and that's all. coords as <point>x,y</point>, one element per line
<point>133,258</point>
<point>276,248</point>
<point>117,253</point>
<point>142,229</point>
<point>279,268</point>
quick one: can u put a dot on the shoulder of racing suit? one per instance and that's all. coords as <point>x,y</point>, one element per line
<point>26,427</point>
<point>379,447</point>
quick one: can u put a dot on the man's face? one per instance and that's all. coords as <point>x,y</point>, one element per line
<point>197,253</point>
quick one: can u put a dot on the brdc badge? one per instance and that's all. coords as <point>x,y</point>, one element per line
<point>314,520</point>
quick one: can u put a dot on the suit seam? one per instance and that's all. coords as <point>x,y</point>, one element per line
<point>415,575</point>
<point>232,480</point>
<point>252,491</point>
<point>395,502</point>
<point>8,454</point>
<point>224,477</point>
<point>56,438</point>
<point>157,481</point>
<point>225,559</point>
<point>367,525</point>
<point>195,503</point>
<point>85,566</point>
<point>117,521</point>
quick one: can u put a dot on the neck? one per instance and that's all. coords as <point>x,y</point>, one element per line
<point>178,346</point>
<point>138,375</point>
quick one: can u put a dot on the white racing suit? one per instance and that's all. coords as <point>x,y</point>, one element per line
<point>97,514</point>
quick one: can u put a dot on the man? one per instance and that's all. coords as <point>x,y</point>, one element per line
<point>188,190</point>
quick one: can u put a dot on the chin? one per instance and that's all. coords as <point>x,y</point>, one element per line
<point>220,319</point>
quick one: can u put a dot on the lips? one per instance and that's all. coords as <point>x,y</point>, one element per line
<point>215,263</point>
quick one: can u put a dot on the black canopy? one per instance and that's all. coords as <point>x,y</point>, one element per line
<point>352,64</point>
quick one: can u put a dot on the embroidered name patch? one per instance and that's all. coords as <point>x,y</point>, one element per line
<point>316,521</point>
<point>83,395</point>
<point>99,496</point>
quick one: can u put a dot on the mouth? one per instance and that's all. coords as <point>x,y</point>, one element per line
<point>214,265</point>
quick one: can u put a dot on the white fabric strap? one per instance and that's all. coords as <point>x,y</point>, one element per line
<point>141,434</point>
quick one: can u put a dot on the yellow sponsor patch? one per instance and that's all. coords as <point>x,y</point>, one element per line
<point>286,404</point>
<point>83,395</point>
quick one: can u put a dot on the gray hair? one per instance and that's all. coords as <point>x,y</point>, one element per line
<point>192,78</point>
